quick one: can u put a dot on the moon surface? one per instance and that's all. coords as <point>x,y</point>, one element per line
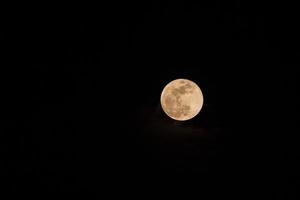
<point>181,99</point>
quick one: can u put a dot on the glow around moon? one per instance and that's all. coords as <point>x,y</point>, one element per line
<point>181,99</point>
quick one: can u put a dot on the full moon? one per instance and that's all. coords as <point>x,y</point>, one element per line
<point>181,99</point>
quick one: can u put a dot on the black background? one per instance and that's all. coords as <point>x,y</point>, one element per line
<point>86,114</point>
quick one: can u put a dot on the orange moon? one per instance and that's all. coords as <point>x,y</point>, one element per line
<point>181,99</point>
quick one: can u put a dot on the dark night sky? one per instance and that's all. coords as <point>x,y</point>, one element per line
<point>87,117</point>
